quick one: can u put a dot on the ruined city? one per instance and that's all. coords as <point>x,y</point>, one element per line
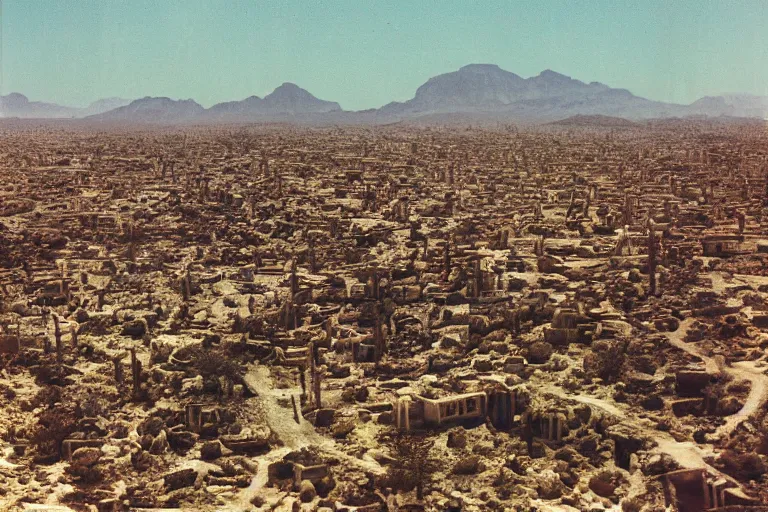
<point>506,256</point>
<point>563,317</point>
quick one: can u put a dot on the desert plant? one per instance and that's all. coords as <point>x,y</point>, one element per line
<point>742,466</point>
<point>605,359</point>
<point>54,426</point>
<point>213,363</point>
<point>413,464</point>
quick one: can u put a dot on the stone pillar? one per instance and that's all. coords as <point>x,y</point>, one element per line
<point>628,217</point>
<point>407,408</point>
<point>651,258</point>
<point>375,285</point>
<point>119,379</point>
<point>315,375</point>
<point>478,279</point>
<point>135,373</point>
<point>447,259</point>
<point>57,335</point>
<point>194,417</point>
<point>295,410</point>
<point>73,335</point>
<point>187,285</point>
<point>312,256</point>
<point>294,280</point>
<point>378,338</point>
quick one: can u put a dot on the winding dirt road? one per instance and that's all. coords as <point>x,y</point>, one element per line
<point>294,436</point>
<point>742,370</point>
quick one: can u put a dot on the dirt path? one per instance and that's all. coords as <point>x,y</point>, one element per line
<point>294,436</point>
<point>280,418</point>
<point>687,454</point>
<point>742,370</point>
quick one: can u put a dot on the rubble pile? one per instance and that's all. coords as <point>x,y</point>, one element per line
<point>390,318</point>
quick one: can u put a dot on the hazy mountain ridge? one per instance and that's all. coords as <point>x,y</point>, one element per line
<point>154,110</point>
<point>18,105</point>
<point>288,99</point>
<point>547,96</point>
<point>104,105</point>
<point>476,90</point>
<point>735,105</point>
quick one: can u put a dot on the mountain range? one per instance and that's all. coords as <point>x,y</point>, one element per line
<point>475,91</point>
<point>18,105</point>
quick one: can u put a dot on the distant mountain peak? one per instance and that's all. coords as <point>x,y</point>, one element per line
<point>480,67</point>
<point>289,86</point>
<point>289,89</point>
<point>16,96</point>
<point>553,77</point>
<point>288,99</point>
<point>487,88</point>
<point>154,109</point>
<point>17,105</point>
<point>291,99</point>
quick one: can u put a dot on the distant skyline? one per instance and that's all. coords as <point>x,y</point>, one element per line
<point>364,54</point>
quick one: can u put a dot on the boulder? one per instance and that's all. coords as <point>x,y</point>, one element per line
<point>457,438</point>
<point>549,485</point>
<point>324,417</point>
<point>134,328</point>
<point>602,485</point>
<point>152,426</point>
<point>343,428</point>
<point>307,491</point>
<point>211,450</point>
<point>469,466</point>
<point>180,479</point>
<point>86,456</point>
<point>539,352</point>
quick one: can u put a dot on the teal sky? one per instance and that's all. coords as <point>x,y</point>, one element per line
<point>364,53</point>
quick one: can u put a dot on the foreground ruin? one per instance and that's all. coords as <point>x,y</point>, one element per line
<point>275,318</point>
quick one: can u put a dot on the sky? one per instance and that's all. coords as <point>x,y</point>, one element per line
<point>366,53</point>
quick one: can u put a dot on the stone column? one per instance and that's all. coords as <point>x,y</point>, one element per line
<point>119,379</point>
<point>136,373</point>
<point>652,257</point>
<point>315,376</point>
<point>57,335</point>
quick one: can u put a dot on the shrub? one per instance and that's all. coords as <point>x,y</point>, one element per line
<point>413,463</point>
<point>742,466</point>
<point>214,363</point>
<point>54,426</point>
